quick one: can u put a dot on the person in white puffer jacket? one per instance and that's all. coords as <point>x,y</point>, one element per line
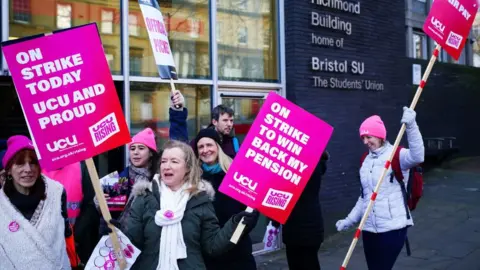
<point>385,230</point>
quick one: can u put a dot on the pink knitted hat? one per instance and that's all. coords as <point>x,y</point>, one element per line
<point>145,137</point>
<point>373,126</point>
<point>14,145</point>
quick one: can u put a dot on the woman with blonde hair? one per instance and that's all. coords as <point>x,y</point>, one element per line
<point>215,163</point>
<point>172,220</point>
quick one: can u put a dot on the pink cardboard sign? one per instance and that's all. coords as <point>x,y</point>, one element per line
<point>449,23</point>
<point>277,158</point>
<point>67,95</point>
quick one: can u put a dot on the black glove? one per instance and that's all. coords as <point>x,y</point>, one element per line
<point>104,229</point>
<point>249,219</point>
<point>275,224</point>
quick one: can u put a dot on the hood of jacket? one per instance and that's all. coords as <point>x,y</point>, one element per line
<point>140,188</point>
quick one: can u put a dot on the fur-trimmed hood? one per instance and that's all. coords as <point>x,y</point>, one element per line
<point>140,188</point>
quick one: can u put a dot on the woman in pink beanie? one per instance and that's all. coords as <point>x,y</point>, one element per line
<point>385,230</point>
<point>33,215</point>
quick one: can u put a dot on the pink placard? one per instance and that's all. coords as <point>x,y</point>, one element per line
<point>277,158</point>
<point>67,95</point>
<point>449,23</point>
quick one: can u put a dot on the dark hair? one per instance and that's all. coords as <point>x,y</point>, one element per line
<point>154,163</point>
<point>38,189</point>
<point>220,110</point>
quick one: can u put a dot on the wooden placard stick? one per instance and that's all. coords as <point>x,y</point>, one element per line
<point>240,227</point>
<point>172,89</point>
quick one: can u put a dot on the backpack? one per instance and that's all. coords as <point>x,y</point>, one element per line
<point>414,189</point>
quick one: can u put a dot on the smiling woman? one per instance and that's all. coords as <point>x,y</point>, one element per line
<point>31,204</point>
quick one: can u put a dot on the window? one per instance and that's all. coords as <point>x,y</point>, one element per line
<point>266,7</point>
<point>150,108</point>
<point>133,28</point>
<point>462,59</point>
<point>419,6</point>
<point>188,27</point>
<point>476,30</point>
<point>476,41</point>
<point>33,17</point>
<point>219,30</point>
<point>135,65</point>
<point>443,56</point>
<point>267,34</point>
<point>242,35</point>
<point>249,47</point>
<point>241,4</point>
<point>267,37</point>
<point>109,59</point>
<point>64,16</point>
<point>21,11</point>
<point>107,21</point>
<point>419,45</point>
<point>195,27</point>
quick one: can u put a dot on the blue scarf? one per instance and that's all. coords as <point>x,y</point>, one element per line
<point>211,169</point>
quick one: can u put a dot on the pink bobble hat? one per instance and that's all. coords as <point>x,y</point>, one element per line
<point>145,137</point>
<point>373,126</point>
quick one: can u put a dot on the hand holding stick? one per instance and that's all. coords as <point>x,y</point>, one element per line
<point>173,89</point>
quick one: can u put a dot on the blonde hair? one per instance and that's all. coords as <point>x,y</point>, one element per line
<point>194,172</point>
<point>223,160</point>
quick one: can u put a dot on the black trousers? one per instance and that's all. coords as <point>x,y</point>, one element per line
<point>302,257</point>
<point>382,249</point>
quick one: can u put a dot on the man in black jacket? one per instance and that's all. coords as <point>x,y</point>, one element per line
<point>303,232</point>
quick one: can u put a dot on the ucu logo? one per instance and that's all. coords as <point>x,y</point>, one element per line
<point>62,144</point>
<point>277,199</point>
<point>245,181</point>
<point>280,195</point>
<point>439,25</point>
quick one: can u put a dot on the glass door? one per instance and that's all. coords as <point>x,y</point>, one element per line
<point>246,105</point>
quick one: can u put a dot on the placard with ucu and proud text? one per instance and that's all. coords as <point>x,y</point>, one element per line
<point>67,95</point>
<point>277,158</point>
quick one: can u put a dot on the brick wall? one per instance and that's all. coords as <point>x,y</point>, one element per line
<point>378,40</point>
<point>450,105</point>
<point>378,37</point>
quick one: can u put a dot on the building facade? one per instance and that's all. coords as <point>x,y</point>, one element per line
<point>342,60</point>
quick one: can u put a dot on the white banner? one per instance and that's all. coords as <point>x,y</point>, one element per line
<point>103,256</point>
<point>158,35</point>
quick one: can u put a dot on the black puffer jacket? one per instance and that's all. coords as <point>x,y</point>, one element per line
<point>305,224</point>
<point>240,257</point>
<point>87,223</point>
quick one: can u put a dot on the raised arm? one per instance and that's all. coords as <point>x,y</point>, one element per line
<point>178,118</point>
<point>415,154</point>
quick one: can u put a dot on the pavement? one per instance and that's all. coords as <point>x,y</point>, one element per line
<point>446,234</point>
